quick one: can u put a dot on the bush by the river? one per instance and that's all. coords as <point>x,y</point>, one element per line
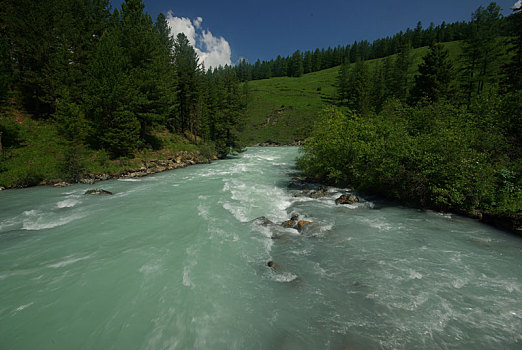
<point>435,155</point>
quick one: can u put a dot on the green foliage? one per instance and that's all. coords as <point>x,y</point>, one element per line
<point>435,76</point>
<point>513,69</point>
<point>439,156</point>
<point>9,131</point>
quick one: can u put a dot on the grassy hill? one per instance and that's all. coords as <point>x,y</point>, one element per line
<point>283,109</point>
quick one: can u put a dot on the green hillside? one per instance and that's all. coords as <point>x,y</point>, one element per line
<point>283,109</point>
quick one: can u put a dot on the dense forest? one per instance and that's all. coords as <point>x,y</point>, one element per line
<point>111,81</point>
<point>449,139</point>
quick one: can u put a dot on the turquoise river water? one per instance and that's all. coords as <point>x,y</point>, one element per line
<point>174,261</point>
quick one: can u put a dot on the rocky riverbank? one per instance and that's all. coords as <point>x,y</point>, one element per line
<point>270,143</point>
<point>146,167</point>
<point>507,222</point>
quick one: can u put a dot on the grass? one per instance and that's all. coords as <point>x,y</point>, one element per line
<point>38,153</point>
<point>284,109</point>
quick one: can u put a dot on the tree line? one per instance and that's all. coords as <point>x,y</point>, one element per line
<point>312,61</point>
<point>449,139</point>
<point>109,78</point>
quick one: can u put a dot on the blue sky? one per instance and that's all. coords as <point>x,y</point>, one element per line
<point>265,29</point>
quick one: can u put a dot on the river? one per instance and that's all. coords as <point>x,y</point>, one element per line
<point>174,261</point>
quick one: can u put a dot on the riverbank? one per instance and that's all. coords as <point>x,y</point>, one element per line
<point>509,222</point>
<point>134,168</point>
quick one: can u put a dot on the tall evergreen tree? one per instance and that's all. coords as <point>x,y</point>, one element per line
<point>307,62</point>
<point>295,68</point>
<point>342,83</point>
<point>188,70</point>
<point>435,75</point>
<point>359,88</point>
<point>513,70</point>
<point>480,50</point>
<point>399,87</point>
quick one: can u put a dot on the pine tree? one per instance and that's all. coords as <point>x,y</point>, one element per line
<point>295,68</point>
<point>513,70</point>
<point>316,60</point>
<point>378,87</point>
<point>188,71</point>
<point>399,86</point>
<point>435,75</point>
<point>110,95</point>
<point>480,50</point>
<point>307,63</point>
<point>359,88</point>
<point>342,83</point>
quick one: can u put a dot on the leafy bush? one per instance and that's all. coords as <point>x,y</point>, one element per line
<point>438,156</point>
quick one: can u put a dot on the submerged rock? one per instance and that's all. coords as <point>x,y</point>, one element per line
<point>97,191</point>
<point>348,198</point>
<point>263,221</point>
<point>273,265</point>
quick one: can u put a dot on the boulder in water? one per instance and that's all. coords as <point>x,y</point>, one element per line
<point>288,224</point>
<point>263,221</point>
<point>301,224</point>
<point>97,191</point>
<point>348,198</point>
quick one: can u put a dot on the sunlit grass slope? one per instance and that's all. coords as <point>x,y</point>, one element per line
<point>283,110</point>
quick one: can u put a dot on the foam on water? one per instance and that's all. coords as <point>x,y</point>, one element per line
<point>68,260</point>
<point>67,203</point>
<point>36,220</point>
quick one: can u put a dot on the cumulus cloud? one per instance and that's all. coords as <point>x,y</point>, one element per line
<point>212,51</point>
<point>517,5</point>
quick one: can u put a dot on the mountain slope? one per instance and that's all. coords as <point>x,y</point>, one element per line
<point>283,110</point>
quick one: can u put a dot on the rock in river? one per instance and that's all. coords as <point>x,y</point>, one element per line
<point>97,191</point>
<point>348,198</point>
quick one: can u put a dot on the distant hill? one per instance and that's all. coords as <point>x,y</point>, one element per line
<point>283,110</point>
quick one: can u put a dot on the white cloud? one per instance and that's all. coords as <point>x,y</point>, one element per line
<point>197,22</point>
<point>212,51</point>
<point>181,25</point>
<point>517,5</point>
<point>216,50</point>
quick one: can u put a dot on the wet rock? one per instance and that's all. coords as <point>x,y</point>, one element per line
<point>62,184</point>
<point>2,188</point>
<point>302,224</point>
<point>288,224</point>
<point>316,194</point>
<point>348,198</point>
<point>263,221</point>
<point>273,265</point>
<point>97,191</point>
<point>102,177</point>
<point>86,181</point>
<point>275,236</point>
